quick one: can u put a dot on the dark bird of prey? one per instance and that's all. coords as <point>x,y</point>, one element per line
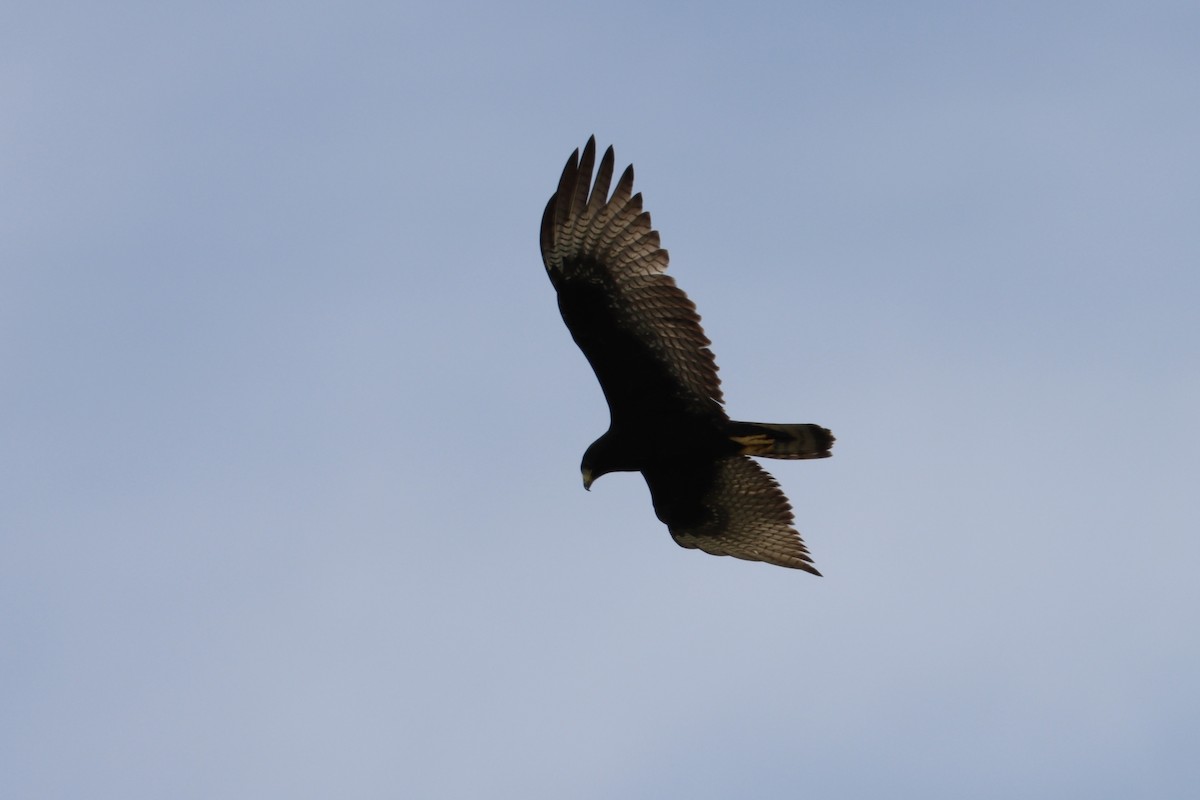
<point>643,339</point>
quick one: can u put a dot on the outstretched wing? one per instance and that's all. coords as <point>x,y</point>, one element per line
<point>728,507</point>
<point>638,330</point>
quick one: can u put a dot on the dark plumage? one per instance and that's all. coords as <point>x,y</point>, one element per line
<point>643,338</point>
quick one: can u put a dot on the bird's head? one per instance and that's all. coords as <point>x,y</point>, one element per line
<point>596,462</point>
<point>590,470</point>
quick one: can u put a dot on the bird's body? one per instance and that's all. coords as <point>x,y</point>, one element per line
<point>643,339</point>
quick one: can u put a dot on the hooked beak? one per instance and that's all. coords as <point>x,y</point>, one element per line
<point>587,479</point>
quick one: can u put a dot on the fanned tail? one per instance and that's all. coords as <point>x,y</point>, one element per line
<point>764,439</point>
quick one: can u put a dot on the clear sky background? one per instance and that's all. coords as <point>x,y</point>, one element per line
<point>290,426</point>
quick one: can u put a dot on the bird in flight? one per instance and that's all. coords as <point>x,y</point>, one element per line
<point>643,338</point>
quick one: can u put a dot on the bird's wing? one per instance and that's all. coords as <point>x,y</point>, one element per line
<point>729,507</point>
<point>640,332</point>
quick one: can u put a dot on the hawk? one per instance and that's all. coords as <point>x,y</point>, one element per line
<point>642,336</point>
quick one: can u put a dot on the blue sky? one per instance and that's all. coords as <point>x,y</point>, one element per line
<point>289,490</point>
